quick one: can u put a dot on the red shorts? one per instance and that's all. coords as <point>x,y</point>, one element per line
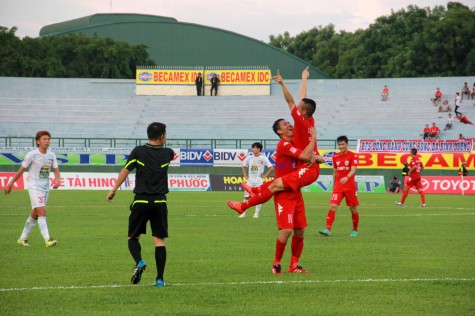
<point>290,210</point>
<point>301,177</point>
<point>350,196</point>
<point>414,182</point>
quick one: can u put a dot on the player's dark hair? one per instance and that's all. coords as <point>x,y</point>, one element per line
<point>413,151</point>
<point>276,126</point>
<point>156,130</point>
<point>342,139</point>
<point>39,134</point>
<point>309,106</point>
<point>257,145</point>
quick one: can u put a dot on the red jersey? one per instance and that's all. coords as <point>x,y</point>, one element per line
<point>438,94</point>
<point>416,173</point>
<point>342,164</point>
<point>426,130</point>
<point>302,133</point>
<point>434,130</point>
<point>286,156</point>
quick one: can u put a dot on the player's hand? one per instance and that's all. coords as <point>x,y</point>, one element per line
<point>110,195</point>
<point>343,180</point>
<point>57,183</point>
<point>305,73</point>
<point>7,189</point>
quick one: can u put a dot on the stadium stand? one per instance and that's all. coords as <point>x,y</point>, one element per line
<point>95,108</point>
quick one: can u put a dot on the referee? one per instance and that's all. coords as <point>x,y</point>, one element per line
<point>150,202</point>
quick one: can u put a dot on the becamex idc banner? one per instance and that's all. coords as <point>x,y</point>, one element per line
<point>234,158</point>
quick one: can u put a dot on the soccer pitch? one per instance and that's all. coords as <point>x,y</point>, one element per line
<point>407,260</point>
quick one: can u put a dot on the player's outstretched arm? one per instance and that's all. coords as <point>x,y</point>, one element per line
<point>287,95</point>
<point>124,173</point>
<point>303,87</point>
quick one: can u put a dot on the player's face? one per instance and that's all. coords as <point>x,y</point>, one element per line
<point>43,142</point>
<point>286,128</point>
<point>301,108</point>
<point>256,151</point>
<point>343,147</point>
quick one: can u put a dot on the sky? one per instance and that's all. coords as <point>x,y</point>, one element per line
<point>254,18</point>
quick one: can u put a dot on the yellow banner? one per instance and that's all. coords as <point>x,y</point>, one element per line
<point>434,161</point>
<point>239,76</point>
<point>166,77</point>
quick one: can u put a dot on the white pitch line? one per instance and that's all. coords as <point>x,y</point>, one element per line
<point>74,287</point>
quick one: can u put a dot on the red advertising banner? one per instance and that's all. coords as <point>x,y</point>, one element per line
<point>5,177</point>
<point>432,146</point>
<point>447,185</point>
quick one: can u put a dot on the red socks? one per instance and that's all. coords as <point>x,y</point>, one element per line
<point>356,219</point>
<point>297,247</point>
<point>257,199</point>
<point>330,219</point>
<point>404,196</point>
<point>423,197</point>
<point>279,251</point>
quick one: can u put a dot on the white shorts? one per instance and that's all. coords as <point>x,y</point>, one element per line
<point>253,183</point>
<point>38,198</point>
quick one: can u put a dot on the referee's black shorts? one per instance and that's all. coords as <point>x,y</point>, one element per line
<point>151,208</point>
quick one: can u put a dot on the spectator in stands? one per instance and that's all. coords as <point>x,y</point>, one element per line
<point>438,97</point>
<point>473,92</point>
<point>462,170</point>
<point>395,185</point>
<point>450,121</point>
<point>461,137</point>
<point>464,119</point>
<point>445,107</point>
<point>199,84</point>
<point>466,90</point>
<point>426,132</point>
<point>458,103</point>
<point>434,131</point>
<point>214,84</point>
<point>385,93</point>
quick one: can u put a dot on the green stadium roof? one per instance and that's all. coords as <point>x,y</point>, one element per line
<point>174,43</point>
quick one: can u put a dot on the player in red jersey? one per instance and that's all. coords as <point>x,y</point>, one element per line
<point>414,179</point>
<point>344,186</point>
<point>289,205</point>
<point>306,173</point>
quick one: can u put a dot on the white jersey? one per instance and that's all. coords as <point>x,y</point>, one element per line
<point>256,166</point>
<point>39,166</point>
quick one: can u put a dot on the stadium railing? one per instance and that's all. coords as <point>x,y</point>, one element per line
<point>10,141</point>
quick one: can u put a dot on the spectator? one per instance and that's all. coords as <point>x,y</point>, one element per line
<point>434,131</point>
<point>450,121</point>
<point>462,170</point>
<point>466,90</point>
<point>395,185</point>
<point>458,103</point>
<point>464,119</point>
<point>214,84</point>
<point>199,84</point>
<point>461,137</point>
<point>426,132</point>
<point>438,97</point>
<point>445,107</point>
<point>385,93</point>
<point>473,91</point>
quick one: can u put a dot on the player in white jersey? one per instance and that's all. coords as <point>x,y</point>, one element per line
<point>39,162</point>
<point>253,168</point>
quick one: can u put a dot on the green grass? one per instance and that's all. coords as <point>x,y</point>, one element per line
<point>409,260</point>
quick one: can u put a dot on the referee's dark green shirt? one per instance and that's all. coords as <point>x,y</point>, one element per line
<point>151,164</point>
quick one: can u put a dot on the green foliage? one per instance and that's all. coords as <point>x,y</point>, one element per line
<point>406,261</point>
<point>71,56</point>
<point>412,42</point>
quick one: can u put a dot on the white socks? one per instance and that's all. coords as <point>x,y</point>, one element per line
<point>29,226</point>
<point>43,227</point>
